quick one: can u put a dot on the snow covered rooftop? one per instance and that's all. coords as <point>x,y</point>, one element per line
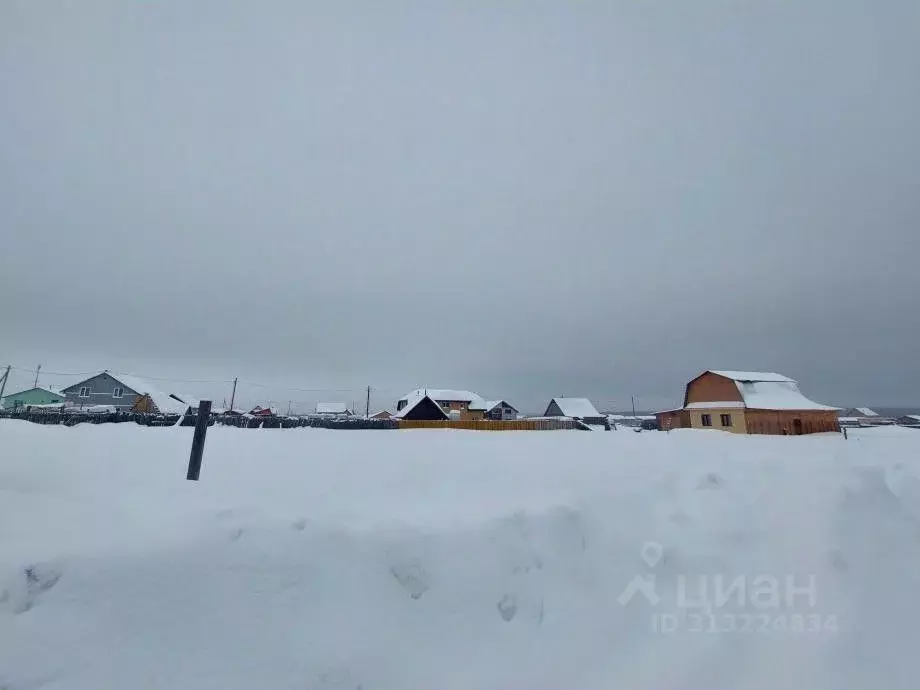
<point>412,404</point>
<point>331,408</point>
<point>866,412</point>
<point>488,405</point>
<point>776,395</point>
<point>164,402</point>
<point>445,394</point>
<point>576,407</point>
<point>38,388</point>
<point>751,375</point>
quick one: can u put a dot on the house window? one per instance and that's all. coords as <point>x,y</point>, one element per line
<point>706,419</point>
<point>84,391</point>
<point>726,419</point>
<point>401,404</point>
<point>118,392</point>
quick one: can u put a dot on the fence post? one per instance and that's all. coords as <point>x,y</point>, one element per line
<point>201,428</point>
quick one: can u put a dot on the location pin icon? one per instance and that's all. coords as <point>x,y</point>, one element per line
<point>651,553</point>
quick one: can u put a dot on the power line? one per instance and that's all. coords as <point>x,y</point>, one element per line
<point>121,373</point>
<point>300,390</point>
<point>157,378</point>
<point>174,380</point>
<point>54,373</point>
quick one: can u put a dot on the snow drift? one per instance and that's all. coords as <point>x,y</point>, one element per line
<point>443,559</point>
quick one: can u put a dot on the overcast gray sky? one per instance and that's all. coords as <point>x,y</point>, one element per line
<point>525,199</point>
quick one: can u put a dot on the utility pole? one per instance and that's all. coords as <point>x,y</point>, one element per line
<point>634,406</point>
<point>6,375</point>
<point>290,402</point>
<point>233,395</point>
<point>35,385</point>
<point>201,429</point>
<point>367,406</point>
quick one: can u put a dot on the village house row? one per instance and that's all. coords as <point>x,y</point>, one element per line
<point>745,402</point>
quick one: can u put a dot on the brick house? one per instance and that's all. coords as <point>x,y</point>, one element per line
<point>749,402</point>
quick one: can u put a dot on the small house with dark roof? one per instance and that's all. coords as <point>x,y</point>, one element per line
<point>580,409</point>
<point>421,408</point>
<point>495,410</point>
<point>450,400</point>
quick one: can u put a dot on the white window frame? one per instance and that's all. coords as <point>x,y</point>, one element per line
<point>118,392</point>
<point>85,391</point>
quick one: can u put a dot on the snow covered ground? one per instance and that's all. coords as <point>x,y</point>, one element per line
<point>310,559</point>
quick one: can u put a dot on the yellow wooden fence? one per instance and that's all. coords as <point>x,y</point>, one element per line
<point>489,425</point>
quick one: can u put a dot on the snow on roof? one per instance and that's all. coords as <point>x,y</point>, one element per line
<point>866,412</point>
<point>165,403</point>
<point>226,410</point>
<point>576,407</point>
<point>751,375</point>
<point>489,405</point>
<point>915,417</point>
<point>38,388</point>
<point>776,395</point>
<point>331,408</point>
<point>714,405</point>
<point>446,394</point>
<point>412,404</point>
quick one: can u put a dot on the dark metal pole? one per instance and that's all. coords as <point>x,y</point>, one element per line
<point>233,395</point>
<point>201,428</point>
<point>5,376</point>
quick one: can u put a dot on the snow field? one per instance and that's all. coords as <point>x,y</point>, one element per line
<point>323,559</point>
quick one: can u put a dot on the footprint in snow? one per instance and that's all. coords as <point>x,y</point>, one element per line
<point>34,581</point>
<point>507,608</point>
<point>710,481</point>
<point>412,577</point>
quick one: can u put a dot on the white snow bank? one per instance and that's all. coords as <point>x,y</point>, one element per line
<point>443,559</point>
